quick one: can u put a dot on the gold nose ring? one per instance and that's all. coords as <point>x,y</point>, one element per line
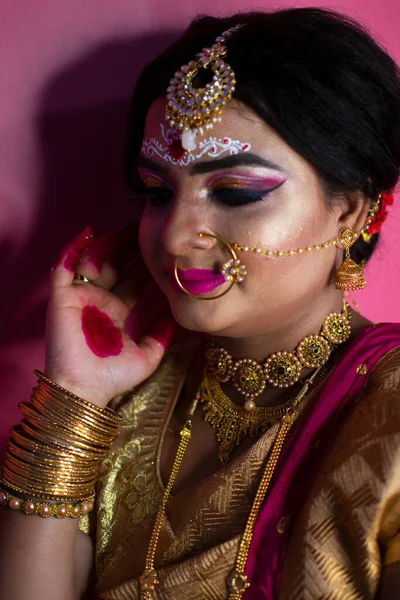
<point>233,270</point>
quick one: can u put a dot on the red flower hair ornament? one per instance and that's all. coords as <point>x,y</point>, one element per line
<point>378,217</point>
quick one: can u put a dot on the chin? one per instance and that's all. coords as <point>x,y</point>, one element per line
<point>202,316</point>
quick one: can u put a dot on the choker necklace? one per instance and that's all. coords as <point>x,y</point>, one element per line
<point>282,369</point>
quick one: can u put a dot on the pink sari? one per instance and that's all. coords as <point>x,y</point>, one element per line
<point>297,462</point>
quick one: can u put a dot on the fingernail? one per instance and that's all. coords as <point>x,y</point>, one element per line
<point>163,330</point>
<point>70,254</point>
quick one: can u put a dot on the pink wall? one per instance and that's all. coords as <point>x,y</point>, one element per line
<point>66,73</point>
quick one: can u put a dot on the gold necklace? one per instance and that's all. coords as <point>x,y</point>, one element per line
<point>233,421</point>
<point>237,581</point>
<point>281,369</point>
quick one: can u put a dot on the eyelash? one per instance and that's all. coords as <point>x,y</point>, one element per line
<point>228,196</point>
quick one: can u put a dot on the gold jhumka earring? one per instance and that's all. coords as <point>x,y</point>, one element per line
<point>349,276</point>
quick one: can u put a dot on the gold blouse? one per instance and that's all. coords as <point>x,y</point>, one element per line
<point>346,529</point>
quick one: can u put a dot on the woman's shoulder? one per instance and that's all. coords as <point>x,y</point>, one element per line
<point>371,424</point>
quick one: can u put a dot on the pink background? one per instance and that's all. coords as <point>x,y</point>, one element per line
<point>66,72</point>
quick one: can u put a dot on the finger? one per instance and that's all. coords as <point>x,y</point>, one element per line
<point>130,285</point>
<point>154,344</point>
<point>118,247</point>
<point>108,255</point>
<point>65,266</point>
<point>105,278</point>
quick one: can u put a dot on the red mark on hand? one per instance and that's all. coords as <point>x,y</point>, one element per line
<point>101,335</point>
<point>71,253</point>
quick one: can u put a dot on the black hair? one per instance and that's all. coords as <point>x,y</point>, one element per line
<point>316,77</point>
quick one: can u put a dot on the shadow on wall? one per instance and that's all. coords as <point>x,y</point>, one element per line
<point>82,183</point>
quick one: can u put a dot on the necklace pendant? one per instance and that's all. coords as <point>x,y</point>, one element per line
<point>237,584</point>
<point>224,451</point>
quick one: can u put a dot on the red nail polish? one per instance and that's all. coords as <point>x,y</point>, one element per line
<point>163,330</point>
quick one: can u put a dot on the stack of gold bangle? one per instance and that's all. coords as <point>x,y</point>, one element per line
<point>55,452</point>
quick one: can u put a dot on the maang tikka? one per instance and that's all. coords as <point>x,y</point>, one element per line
<point>191,110</point>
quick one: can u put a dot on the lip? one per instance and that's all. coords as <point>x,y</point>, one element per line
<point>196,281</point>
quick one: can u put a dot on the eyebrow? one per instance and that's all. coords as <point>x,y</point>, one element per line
<point>236,160</point>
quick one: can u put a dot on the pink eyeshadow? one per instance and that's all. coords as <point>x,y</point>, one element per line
<point>248,181</point>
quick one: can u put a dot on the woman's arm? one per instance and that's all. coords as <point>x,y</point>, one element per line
<point>43,559</point>
<point>67,431</point>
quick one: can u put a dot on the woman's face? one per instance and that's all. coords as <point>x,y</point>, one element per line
<point>268,197</point>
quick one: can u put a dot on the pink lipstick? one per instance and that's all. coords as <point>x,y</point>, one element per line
<point>196,281</point>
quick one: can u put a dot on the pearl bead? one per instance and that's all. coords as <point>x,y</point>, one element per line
<point>249,405</point>
<point>14,503</point>
<point>76,510</point>
<point>3,497</point>
<point>62,511</point>
<point>44,510</point>
<point>29,507</point>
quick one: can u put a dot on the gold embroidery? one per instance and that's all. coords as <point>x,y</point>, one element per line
<point>129,490</point>
<point>362,369</point>
<point>334,550</point>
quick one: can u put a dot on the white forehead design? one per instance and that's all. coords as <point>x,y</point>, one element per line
<point>210,146</point>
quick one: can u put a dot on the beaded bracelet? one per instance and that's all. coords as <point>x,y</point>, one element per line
<point>46,509</point>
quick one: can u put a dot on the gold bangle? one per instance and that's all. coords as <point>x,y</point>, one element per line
<point>55,498</point>
<point>80,431</point>
<point>43,474</point>
<point>104,412</point>
<point>23,479</point>
<point>18,436</point>
<point>58,408</point>
<point>69,444</point>
<point>46,509</point>
<point>51,397</point>
<point>47,460</point>
<point>42,491</point>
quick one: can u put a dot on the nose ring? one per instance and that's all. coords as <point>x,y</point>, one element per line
<point>233,270</point>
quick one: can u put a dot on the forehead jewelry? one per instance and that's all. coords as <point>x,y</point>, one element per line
<point>191,110</point>
<point>233,270</point>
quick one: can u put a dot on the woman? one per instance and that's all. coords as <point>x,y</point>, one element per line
<point>262,458</point>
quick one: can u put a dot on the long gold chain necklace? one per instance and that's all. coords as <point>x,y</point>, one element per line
<point>237,581</point>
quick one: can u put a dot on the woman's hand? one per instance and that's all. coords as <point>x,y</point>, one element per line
<point>87,349</point>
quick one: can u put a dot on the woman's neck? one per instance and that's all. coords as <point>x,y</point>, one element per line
<point>288,331</point>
